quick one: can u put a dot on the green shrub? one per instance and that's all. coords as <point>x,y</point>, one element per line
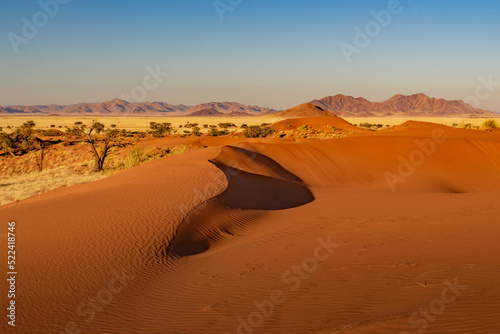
<point>490,124</point>
<point>213,132</point>
<point>256,131</point>
<point>52,132</point>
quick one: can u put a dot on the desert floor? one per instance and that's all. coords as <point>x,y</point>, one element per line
<point>142,123</point>
<point>394,231</point>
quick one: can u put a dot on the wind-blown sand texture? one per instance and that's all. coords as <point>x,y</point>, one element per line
<point>211,240</point>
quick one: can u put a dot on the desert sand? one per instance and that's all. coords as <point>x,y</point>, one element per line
<point>394,231</point>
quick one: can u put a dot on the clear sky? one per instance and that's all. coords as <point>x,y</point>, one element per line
<point>264,52</point>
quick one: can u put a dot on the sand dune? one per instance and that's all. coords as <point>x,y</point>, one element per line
<point>354,235</point>
<point>318,123</point>
<point>304,110</point>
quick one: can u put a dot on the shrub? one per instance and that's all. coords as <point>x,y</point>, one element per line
<point>135,157</point>
<point>256,131</point>
<point>52,133</point>
<point>160,130</point>
<point>227,125</point>
<point>213,132</point>
<point>490,124</point>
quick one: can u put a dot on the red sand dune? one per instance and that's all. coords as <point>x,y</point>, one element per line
<point>273,237</point>
<point>317,123</point>
<point>304,110</point>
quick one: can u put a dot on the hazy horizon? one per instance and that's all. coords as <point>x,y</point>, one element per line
<point>271,54</point>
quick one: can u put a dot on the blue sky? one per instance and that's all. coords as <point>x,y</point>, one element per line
<point>264,52</point>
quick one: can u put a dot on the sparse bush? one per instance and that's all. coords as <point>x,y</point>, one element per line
<point>214,132</point>
<point>52,133</point>
<point>160,130</point>
<point>227,125</point>
<point>490,124</point>
<point>196,131</point>
<point>256,131</point>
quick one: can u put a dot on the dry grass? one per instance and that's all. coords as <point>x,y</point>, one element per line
<point>132,123</point>
<point>65,167</point>
<point>142,123</point>
<point>16,188</point>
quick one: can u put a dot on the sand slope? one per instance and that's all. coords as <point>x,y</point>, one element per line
<point>263,237</point>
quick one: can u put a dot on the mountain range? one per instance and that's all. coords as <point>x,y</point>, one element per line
<point>400,105</point>
<point>340,105</point>
<point>117,107</point>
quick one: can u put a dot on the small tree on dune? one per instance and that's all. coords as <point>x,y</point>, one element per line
<point>101,140</point>
<point>41,147</point>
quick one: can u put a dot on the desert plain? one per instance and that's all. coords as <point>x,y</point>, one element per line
<point>360,231</point>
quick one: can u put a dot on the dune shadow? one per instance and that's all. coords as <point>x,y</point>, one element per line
<point>247,196</point>
<point>249,191</point>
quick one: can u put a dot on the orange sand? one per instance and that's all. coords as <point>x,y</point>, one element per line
<point>255,236</point>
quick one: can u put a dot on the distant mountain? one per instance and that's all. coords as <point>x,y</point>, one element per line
<point>162,107</point>
<point>114,107</point>
<point>20,110</point>
<point>400,105</point>
<point>341,105</point>
<point>205,113</point>
<point>238,114</point>
<point>304,110</point>
<point>49,108</point>
<point>228,107</point>
<point>117,107</point>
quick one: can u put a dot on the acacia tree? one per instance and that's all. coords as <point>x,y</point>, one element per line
<point>6,142</point>
<point>41,147</point>
<point>159,130</point>
<point>100,140</point>
<point>20,140</point>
